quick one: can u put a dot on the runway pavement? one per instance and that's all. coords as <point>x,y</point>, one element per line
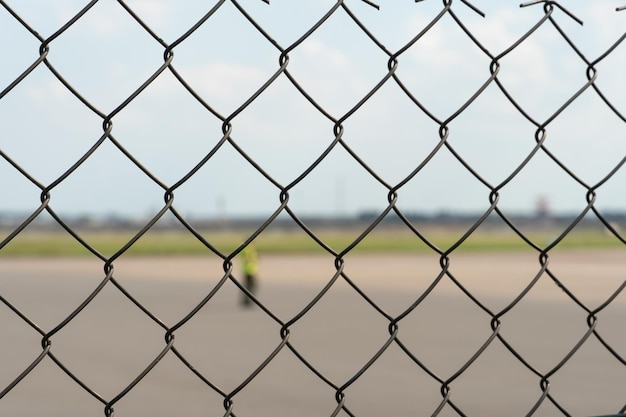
<point>109,343</point>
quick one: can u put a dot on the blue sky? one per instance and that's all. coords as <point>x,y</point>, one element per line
<point>106,55</point>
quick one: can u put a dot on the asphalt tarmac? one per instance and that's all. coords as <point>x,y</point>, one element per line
<point>112,341</point>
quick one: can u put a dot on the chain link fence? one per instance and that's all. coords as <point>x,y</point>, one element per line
<point>251,116</point>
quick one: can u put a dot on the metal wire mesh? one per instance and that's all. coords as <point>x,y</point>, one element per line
<point>551,16</point>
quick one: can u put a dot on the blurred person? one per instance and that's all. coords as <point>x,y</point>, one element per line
<point>250,266</point>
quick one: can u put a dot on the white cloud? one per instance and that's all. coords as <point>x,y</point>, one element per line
<point>323,57</point>
<point>221,83</point>
<point>443,70</point>
<point>153,13</point>
<point>336,78</point>
<point>224,80</point>
<point>46,91</point>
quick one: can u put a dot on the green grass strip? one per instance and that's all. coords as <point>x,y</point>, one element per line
<point>183,243</point>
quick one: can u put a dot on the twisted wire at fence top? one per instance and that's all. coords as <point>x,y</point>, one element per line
<point>550,8</point>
